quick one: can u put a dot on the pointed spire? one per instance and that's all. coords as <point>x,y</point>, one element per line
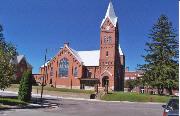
<point>110,14</point>
<point>110,11</point>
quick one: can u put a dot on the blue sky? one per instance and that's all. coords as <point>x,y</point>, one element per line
<point>33,25</point>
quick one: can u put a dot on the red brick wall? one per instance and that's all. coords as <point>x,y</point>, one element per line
<point>21,67</point>
<point>38,78</point>
<point>63,81</point>
<point>111,62</point>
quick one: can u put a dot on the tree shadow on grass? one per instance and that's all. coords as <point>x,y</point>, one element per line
<point>10,97</point>
<point>35,103</point>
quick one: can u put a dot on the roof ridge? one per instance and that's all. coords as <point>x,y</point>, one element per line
<point>20,57</point>
<point>75,53</point>
<point>87,50</point>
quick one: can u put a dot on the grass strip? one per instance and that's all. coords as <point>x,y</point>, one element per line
<point>11,101</point>
<point>134,97</point>
<point>65,90</point>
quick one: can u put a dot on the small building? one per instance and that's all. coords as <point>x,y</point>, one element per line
<point>132,74</point>
<point>22,65</point>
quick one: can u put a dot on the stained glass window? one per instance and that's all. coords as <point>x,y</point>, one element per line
<point>63,67</point>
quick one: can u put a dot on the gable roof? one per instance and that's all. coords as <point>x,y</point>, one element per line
<point>18,59</point>
<point>89,58</point>
<point>75,53</point>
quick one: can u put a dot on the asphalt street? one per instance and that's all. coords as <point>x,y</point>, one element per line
<point>67,107</point>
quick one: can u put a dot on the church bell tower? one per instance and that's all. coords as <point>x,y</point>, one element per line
<point>109,61</point>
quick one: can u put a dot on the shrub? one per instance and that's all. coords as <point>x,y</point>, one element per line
<point>25,87</point>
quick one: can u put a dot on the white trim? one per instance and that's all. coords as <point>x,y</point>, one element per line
<point>120,51</point>
<point>72,52</point>
<point>45,64</point>
<point>107,72</point>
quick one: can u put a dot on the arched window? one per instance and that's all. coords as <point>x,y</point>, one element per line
<point>63,67</point>
<point>107,54</point>
<point>105,39</point>
<point>75,72</point>
<point>51,72</point>
<point>110,39</point>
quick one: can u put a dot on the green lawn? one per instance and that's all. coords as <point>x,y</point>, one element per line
<point>11,101</point>
<point>134,97</point>
<point>69,90</point>
<point>58,89</point>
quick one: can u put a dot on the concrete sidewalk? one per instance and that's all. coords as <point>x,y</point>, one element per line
<point>75,98</point>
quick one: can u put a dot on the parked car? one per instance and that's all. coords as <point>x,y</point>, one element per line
<point>172,107</point>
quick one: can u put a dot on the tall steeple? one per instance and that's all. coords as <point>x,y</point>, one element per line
<point>109,62</point>
<point>110,14</point>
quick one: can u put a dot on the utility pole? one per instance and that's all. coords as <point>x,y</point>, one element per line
<point>42,85</point>
<point>45,71</point>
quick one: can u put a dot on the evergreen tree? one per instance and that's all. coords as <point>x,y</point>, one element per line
<point>7,69</point>
<point>161,68</point>
<point>25,87</point>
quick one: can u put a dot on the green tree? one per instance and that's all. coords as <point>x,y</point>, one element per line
<point>7,69</point>
<point>25,87</point>
<point>131,84</point>
<point>161,68</point>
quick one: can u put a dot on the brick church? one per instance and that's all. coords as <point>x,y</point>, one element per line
<point>85,69</point>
